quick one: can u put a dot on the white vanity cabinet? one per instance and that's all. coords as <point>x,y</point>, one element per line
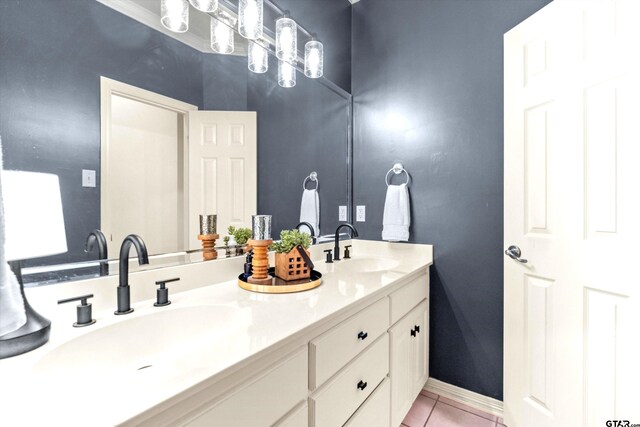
<point>264,401</point>
<point>409,360</point>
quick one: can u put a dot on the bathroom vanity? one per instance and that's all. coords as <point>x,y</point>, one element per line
<point>353,351</point>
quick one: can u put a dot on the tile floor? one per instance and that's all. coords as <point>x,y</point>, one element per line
<point>432,410</point>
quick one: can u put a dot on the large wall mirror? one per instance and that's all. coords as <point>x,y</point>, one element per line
<point>109,104</point>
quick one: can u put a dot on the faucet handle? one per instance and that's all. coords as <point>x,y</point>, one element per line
<point>83,311</point>
<point>329,256</point>
<point>347,254</point>
<point>162,297</point>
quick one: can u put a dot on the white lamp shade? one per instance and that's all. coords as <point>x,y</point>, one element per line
<point>33,218</point>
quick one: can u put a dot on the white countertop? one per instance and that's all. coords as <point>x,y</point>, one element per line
<point>40,388</point>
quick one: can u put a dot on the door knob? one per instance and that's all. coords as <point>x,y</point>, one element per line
<point>514,252</point>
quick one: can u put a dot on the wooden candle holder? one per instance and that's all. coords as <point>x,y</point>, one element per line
<point>209,246</point>
<point>260,262</point>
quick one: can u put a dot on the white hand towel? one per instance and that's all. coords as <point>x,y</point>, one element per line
<point>12,314</point>
<point>397,214</point>
<point>310,211</point>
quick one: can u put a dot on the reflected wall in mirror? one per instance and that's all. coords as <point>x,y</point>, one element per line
<point>50,120</point>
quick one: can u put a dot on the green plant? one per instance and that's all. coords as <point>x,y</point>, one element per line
<point>289,239</point>
<point>226,240</point>
<point>242,235</point>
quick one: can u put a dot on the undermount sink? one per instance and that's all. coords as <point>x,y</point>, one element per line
<point>172,337</point>
<point>367,264</point>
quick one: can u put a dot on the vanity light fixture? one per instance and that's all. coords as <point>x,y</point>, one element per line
<point>313,59</point>
<point>286,74</point>
<point>222,40</point>
<point>205,5</point>
<point>286,39</point>
<point>175,15</point>
<point>258,57</point>
<point>250,16</point>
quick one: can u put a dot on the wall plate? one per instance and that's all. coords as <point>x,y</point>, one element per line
<point>361,211</point>
<point>342,213</point>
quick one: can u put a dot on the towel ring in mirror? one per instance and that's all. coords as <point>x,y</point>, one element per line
<point>313,176</point>
<point>397,169</point>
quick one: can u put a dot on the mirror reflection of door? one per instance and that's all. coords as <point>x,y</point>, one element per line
<point>156,181</point>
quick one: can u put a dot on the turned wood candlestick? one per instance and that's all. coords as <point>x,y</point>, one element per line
<point>209,246</point>
<point>260,262</point>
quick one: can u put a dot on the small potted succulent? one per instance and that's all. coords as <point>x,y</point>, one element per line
<point>241,236</point>
<point>290,264</point>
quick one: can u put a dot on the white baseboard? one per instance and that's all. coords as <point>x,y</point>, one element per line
<point>476,400</point>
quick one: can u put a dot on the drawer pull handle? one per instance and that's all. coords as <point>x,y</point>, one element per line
<point>362,385</point>
<point>362,335</point>
<point>415,330</point>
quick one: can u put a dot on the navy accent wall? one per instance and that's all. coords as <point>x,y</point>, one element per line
<point>427,82</point>
<point>300,130</point>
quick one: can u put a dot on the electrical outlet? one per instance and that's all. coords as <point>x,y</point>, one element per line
<point>342,213</point>
<point>360,213</point>
<point>88,178</point>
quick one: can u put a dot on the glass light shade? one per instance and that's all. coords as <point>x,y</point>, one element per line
<point>286,74</point>
<point>313,59</point>
<point>34,222</point>
<point>205,5</point>
<point>250,15</point>
<point>258,58</point>
<point>175,15</point>
<point>286,39</point>
<point>222,40</point>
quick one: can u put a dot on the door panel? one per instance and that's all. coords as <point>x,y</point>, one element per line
<point>571,205</point>
<point>222,169</point>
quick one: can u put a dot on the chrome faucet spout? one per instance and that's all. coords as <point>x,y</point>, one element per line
<point>336,246</point>
<point>124,301</point>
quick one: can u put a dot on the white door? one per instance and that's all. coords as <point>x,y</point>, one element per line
<point>572,171</point>
<point>145,182</point>
<point>222,169</point>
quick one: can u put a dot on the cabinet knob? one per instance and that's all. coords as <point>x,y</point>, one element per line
<point>413,332</point>
<point>362,385</point>
<point>417,328</point>
<point>362,335</point>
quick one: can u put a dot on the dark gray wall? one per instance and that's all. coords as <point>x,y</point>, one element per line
<point>300,130</point>
<point>427,85</point>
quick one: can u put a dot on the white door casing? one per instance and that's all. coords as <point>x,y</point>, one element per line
<point>572,143</point>
<point>222,169</point>
<point>112,168</point>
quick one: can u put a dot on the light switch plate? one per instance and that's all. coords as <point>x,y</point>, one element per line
<point>361,213</point>
<point>88,178</point>
<point>342,213</point>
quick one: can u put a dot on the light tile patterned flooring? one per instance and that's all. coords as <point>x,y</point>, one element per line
<point>432,410</point>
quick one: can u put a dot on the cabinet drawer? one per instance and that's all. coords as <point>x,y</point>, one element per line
<point>334,403</point>
<point>298,418</point>
<point>329,352</point>
<point>264,401</point>
<point>375,411</point>
<point>407,297</point>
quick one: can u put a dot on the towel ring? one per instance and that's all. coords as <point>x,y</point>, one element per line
<point>313,176</point>
<point>397,169</point>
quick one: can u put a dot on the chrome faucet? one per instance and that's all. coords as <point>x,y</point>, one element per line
<point>313,232</point>
<point>124,295</point>
<point>336,246</point>
<point>96,237</point>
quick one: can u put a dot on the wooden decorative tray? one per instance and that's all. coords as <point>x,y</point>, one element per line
<point>280,286</point>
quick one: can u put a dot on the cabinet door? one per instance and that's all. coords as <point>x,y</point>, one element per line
<point>408,362</point>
